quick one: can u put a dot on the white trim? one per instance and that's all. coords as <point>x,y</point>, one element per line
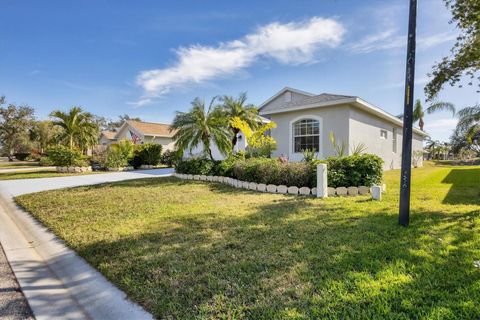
<point>276,95</point>
<point>296,156</point>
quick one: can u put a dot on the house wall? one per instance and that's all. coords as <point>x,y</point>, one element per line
<point>332,119</point>
<point>166,142</point>
<point>366,128</point>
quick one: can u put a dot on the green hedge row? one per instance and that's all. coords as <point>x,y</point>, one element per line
<point>357,170</point>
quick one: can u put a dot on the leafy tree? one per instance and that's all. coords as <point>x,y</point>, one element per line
<point>460,144</point>
<point>464,56</point>
<point>15,122</point>
<point>469,122</point>
<point>419,112</point>
<point>114,125</point>
<point>238,108</point>
<point>43,133</point>
<point>202,126</point>
<point>259,144</point>
<point>78,128</point>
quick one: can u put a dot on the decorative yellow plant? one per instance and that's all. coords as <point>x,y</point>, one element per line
<point>256,139</point>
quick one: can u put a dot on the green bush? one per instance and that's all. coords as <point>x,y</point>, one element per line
<point>21,156</point>
<point>146,154</point>
<point>45,161</point>
<point>200,166</point>
<point>225,167</point>
<point>118,154</point>
<point>61,156</point>
<point>169,158</point>
<point>272,171</point>
<point>355,170</point>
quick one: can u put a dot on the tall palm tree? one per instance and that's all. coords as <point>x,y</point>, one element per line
<point>419,112</point>
<point>202,126</point>
<point>78,127</point>
<point>469,121</point>
<point>238,108</point>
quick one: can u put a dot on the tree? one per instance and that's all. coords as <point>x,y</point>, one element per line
<point>114,125</point>
<point>259,144</point>
<point>469,122</point>
<point>419,112</point>
<point>15,122</point>
<point>78,128</point>
<point>202,126</point>
<point>43,133</point>
<point>237,108</point>
<point>464,56</point>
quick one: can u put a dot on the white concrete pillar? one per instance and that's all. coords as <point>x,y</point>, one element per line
<point>377,193</point>
<point>322,191</point>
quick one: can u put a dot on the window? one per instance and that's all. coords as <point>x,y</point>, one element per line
<point>306,135</point>
<point>394,140</point>
<point>383,134</point>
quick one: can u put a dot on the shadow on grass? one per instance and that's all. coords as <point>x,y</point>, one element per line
<point>279,262</point>
<point>465,186</point>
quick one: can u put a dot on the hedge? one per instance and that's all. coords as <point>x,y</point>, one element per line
<point>357,170</point>
<point>64,157</point>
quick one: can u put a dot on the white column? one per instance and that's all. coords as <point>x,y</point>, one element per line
<point>322,191</point>
<point>377,193</point>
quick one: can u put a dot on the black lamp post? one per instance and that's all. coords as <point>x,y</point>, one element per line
<point>404,211</point>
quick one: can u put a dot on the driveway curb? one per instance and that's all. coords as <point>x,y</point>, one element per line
<point>55,280</point>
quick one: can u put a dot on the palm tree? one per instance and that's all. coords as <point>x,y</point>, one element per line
<point>419,112</point>
<point>78,127</point>
<point>237,108</point>
<point>201,125</point>
<point>469,121</point>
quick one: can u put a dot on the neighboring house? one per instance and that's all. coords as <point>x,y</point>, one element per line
<point>140,132</point>
<point>107,138</point>
<point>304,121</point>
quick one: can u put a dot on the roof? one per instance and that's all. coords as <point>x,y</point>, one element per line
<point>279,93</point>
<point>110,135</point>
<point>328,99</point>
<point>151,128</point>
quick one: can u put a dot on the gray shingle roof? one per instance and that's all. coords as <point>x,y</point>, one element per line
<point>324,97</point>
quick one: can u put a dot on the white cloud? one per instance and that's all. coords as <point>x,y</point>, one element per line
<point>386,40</point>
<point>441,125</point>
<point>140,102</point>
<point>290,43</point>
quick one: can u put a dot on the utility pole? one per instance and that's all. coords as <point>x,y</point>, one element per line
<point>404,211</point>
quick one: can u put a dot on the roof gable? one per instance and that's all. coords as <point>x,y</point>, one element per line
<point>296,95</point>
<point>149,128</point>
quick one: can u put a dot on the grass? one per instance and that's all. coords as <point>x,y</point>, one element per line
<point>23,164</point>
<point>40,174</point>
<point>204,250</point>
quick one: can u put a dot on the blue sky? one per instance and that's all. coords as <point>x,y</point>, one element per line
<point>150,58</point>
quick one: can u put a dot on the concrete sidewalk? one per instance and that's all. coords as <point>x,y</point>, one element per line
<point>56,282</point>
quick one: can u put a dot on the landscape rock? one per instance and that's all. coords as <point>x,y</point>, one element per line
<point>262,187</point>
<point>331,192</point>
<point>282,189</point>
<point>245,184</point>
<point>292,190</point>
<point>314,191</point>
<point>362,190</point>
<point>252,186</point>
<point>341,191</point>
<point>272,188</point>
<point>352,191</point>
<point>304,191</point>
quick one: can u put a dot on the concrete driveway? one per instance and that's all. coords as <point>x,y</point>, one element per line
<point>57,283</point>
<point>13,188</point>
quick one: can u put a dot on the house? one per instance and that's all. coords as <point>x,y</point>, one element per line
<point>107,138</point>
<point>140,132</point>
<point>305,120</point>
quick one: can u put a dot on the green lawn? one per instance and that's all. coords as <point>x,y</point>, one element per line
<point>204,250</point>
<point>12,165</point>
<point>40,174</point>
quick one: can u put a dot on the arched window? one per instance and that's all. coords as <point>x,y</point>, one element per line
<point>306,135</point>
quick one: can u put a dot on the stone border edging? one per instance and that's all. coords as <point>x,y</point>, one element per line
<point>72,169</point>
<point>281,189</point>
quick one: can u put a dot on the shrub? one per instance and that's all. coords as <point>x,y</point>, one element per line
<point>273,171</point>
<point>355,170</point>
<point>169,158</point>
<point>225,167</point>
<point>61,156</point>
<point>118,154</point>
<point>45,161</point>
<point>200,166</point>
<point>21,156</point>
<point>149,154</point>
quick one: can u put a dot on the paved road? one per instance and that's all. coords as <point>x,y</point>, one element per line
<point>13,304</point>
<point>55,281</point>
<point>13,188</point>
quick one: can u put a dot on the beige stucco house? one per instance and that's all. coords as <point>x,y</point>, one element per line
<point>140,132</point>
<point>305,120</point>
